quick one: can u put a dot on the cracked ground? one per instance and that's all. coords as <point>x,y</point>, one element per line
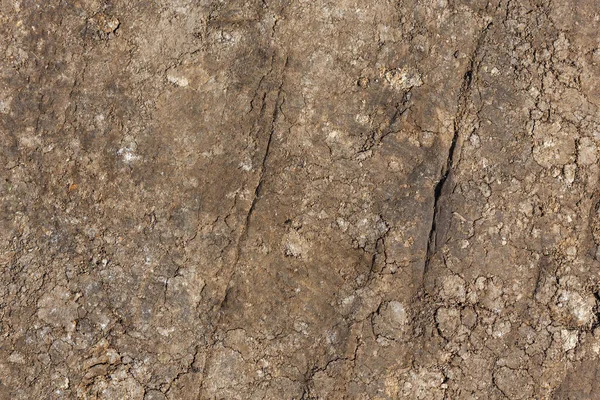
<point>292,199</point>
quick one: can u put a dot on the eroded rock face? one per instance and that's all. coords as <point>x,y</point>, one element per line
<point>299,200</point>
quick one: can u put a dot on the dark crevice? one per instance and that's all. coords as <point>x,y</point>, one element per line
<point>229,273</point>
<point>259,186</point>
<point>596,322</point>
<point>446,170</point>
<point>543,265</point>
<point>437,193</point>
<point>258,189</point>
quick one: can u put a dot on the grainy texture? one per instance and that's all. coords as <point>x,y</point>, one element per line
<point>205,199</point>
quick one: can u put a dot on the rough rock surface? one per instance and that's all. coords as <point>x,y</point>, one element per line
<point>245,199</point>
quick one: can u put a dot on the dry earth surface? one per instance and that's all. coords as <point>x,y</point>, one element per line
<point>307,199</point>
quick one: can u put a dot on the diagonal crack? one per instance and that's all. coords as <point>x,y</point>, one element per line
<point>259,186</point>
<point>229,272</point>
<point>463,98</point>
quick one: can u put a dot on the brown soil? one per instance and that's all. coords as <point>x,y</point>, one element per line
<point>245,199</point>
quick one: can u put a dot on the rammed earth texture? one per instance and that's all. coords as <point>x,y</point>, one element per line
<point>246,199</point>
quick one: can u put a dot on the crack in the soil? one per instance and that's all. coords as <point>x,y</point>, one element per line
<point>463,96</point>
<point>230,272</point>
<point>258,189</point>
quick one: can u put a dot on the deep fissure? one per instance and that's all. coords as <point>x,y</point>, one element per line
<point>447,167</point>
